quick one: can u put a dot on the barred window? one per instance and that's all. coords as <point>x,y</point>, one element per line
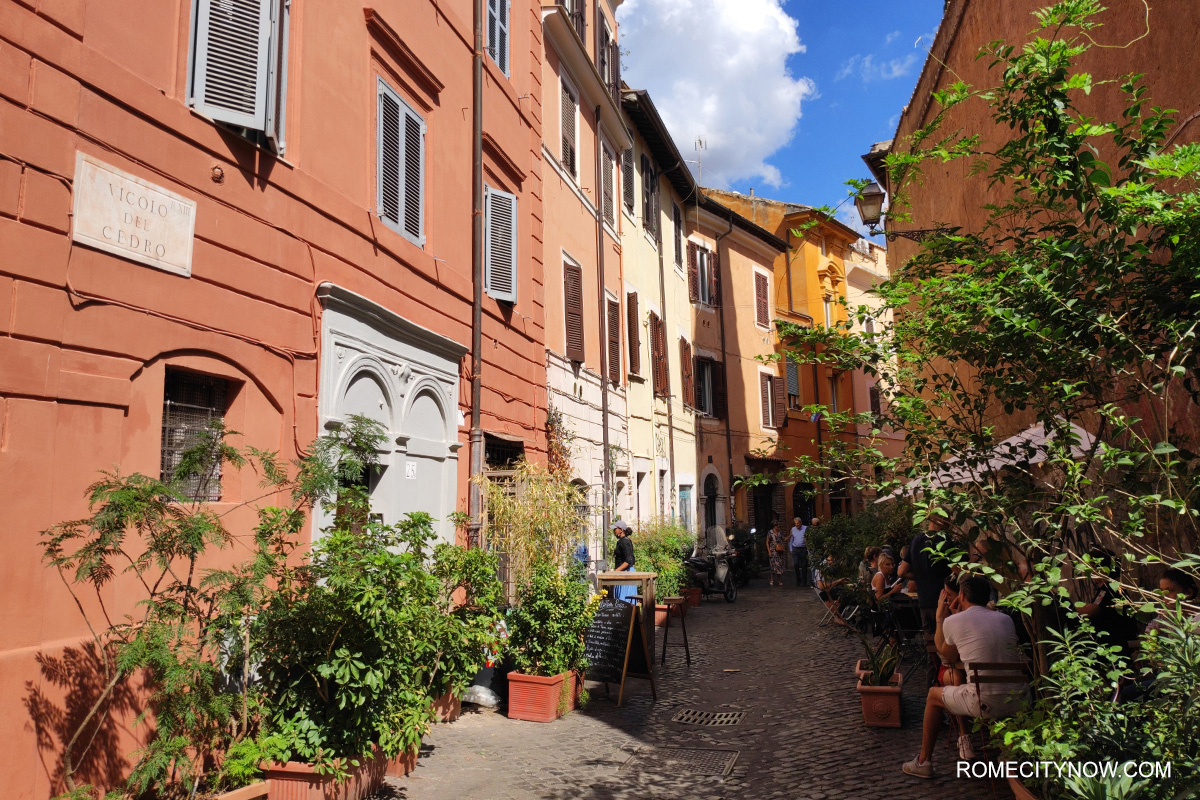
<point>190,403</point>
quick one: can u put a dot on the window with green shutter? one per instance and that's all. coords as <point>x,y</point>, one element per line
<point>400,148</point>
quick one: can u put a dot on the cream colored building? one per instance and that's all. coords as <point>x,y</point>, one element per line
<point>659,318</point>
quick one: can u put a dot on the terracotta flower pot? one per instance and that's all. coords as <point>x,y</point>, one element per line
<point>860,668</point>
<point>299,781</point>
<point>693,595</point>
<point>574,681</point>
<point>1021,791</point>
<point>662,617</point>
<point>535,698</point>
<point>448,707</point>
<point>403,764</point>
<point>254,791</point>
<point>881,704</point>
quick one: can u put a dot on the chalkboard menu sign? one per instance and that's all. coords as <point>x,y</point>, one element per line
<point>615,646</point>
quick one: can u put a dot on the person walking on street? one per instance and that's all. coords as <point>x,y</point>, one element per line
<point>623,559</point>
<point>799,545</point>
<point>775,553</point>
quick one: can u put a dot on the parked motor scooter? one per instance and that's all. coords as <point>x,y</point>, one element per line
<point>742,560</point>
<point>709,567</point>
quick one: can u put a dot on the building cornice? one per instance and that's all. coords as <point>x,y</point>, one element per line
<point>561,35</point>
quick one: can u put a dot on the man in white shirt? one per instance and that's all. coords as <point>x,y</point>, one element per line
<point>799,546</point>
<point>975,634</point>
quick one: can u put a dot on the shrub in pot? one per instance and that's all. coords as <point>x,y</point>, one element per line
<point>358,641</point>
<point>660,547</point>
<point>545,640</point>
<point>879,685</point>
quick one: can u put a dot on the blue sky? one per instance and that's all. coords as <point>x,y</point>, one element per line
<point>788,93</point>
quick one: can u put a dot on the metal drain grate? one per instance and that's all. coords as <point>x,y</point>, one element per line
<point>690,716</point>
<point>674,760</point>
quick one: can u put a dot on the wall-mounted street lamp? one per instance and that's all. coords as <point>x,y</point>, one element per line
<point>869,203</point>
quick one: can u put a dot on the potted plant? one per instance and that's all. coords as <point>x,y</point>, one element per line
<point>545,641</point>
<point>660,548</point>
<point>358,641</point>
<point>880,684</point>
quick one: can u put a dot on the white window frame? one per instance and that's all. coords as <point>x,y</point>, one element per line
<point>771,425</point>
<point>503,61</point>
<point>406,108</point>
<point>705,263</point>
<point>829,312</point>
<point>703,388</point>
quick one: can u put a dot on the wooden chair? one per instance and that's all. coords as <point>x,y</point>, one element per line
<point>1009,672</point>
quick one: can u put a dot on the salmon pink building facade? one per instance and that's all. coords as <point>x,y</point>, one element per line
<point>261,212</point>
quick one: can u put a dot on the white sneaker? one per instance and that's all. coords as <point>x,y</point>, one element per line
<point>965,751</point>
<point>917,769</point>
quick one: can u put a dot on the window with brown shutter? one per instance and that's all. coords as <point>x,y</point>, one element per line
<point>677,222</point>
<point>780,399</point>
<point>569,104</point>
<point>627,181</point>
<point>614,341</point>
<point>573,305</point>
<point>720,397</point>
<point>714,280</point>
<point>762,311</point>
<point>686,368</point>
<point>693,272</point>
<point>634,334</point>
<point>658,356</point>
<point>608,206</point>
<point>766,397</point>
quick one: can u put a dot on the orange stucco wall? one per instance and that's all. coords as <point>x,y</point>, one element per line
<point>81,381</point>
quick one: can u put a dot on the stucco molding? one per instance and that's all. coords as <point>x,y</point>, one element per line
<point>335,298</point>
<point>402,53</point>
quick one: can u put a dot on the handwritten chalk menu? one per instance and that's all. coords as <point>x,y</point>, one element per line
<point>124,215</point>
<point>615,646</point>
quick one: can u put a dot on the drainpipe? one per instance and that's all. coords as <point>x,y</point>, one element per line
<point>724,365</point>
<point>662,300</point>
<point>605,474</point>
<point>788,233</point>
<point>475,492</point>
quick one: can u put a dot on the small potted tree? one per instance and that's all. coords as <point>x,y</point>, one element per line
<point>660,548</point>
<point>545,641</point>
<point>879,685</point>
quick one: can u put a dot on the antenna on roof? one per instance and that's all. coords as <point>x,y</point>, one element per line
<point>701,144</point>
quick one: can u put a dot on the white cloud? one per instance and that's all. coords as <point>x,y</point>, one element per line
<point>870,68</point>
<point>718,69</point>
<point>891,37</point>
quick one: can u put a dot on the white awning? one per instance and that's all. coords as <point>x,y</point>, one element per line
<point>1030,446</point>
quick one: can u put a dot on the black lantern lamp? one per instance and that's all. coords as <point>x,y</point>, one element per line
<point>870,209</point>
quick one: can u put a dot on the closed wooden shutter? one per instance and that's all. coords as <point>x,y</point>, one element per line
<point>568,129</point>
<point>693,272</point>
<point>498,13</point>
<point>627,180</point>
<point>647,180</point>
<point>607,175</point>
<point>634,333</point>
<point>720,395</point>
<point>677,222</point>
<point>780,402</point>
<point>400,145</point>
<point>615,70</point>
<point>573,297</point>
<point>686,373</point>
<point>658,353</point>
<point>603,53</point>
<point>388,149</point>
<point>714,279</point>
<point>766,397</point>
<point>414,175</point>
<point>500,245</point>
<point>613,325</point>
<point>493,24</point>
<point>793,377</point>
<point>762,312</point>
<point>231,70</point>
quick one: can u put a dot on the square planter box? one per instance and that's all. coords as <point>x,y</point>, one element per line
<point>881,704</point>
<point>402,765</point>
<point>534,698</point>
<point>693,596</point>
<point>299,781</point>
<point>448,707</point>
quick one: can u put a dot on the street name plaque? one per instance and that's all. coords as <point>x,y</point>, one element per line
<point>124,215</point>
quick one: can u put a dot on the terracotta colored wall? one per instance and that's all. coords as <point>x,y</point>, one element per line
<point>81,386</point>
<point>948,193</point>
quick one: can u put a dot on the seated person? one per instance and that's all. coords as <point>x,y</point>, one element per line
<point>829,590</point>
<point>886,583</point>
<point>868,566</point>
<point>1176,586</point>
<point>974,634</point>
<point>1113,624</point>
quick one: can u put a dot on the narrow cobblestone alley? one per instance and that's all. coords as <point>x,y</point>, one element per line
<point>802,735</point>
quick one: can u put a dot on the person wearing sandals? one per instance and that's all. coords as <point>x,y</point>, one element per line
<point>775,553</point>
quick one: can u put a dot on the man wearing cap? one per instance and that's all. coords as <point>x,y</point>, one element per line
<point>623,558</point>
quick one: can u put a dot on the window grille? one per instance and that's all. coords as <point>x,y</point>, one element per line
<point>190,403</point>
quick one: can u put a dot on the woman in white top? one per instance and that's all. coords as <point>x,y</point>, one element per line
<point>885,583</point>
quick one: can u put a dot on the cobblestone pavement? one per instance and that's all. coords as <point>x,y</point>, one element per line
<point>802,736</point>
